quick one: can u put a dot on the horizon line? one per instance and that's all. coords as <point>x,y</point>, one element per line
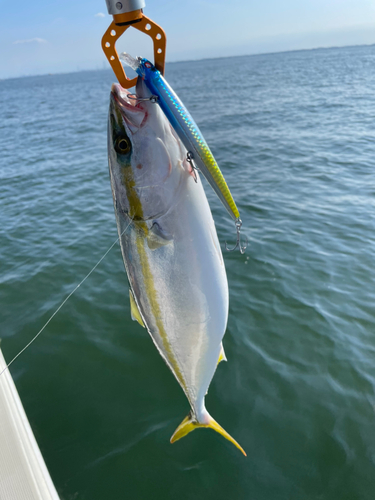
<point>196,60</point>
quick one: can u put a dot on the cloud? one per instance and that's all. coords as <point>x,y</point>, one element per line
<point>100,14</point>
<point>30,40</point>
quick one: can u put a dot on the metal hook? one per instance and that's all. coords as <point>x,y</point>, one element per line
<point>190,159</point>
<point>154,98</point>
<point>239,245</point>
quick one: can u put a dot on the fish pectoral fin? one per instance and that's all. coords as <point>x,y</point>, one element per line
<point>157,238</point>
<point>222,356</point>
<point>190,424</point>
<point>134,311</point>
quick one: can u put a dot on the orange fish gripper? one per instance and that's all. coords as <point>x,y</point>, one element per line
<point>127,13</point>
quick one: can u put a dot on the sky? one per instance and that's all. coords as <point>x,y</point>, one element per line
<point>57,36</point>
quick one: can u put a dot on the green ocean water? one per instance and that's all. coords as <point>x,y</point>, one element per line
<point>294,134</point>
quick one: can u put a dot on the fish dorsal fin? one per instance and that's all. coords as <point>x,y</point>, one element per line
<point>134,311</point>
<point>222,356</point>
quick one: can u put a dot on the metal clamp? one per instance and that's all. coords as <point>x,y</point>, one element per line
<point>115,7</point>
<point>122,20</point>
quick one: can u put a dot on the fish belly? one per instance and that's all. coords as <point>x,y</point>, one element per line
<point>180,287</point>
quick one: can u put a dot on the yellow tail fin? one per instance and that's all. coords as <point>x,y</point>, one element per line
<point>190,424</point>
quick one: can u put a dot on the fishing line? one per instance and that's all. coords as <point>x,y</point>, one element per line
<point>64,302</point>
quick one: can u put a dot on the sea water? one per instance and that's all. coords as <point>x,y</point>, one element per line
<point>294,135</point>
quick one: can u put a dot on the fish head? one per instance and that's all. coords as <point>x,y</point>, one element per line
<point>146,158</point>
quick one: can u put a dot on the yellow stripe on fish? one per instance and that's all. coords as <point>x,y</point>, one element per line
<point>136,212</point>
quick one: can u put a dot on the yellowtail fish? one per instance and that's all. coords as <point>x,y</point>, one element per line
<point>178,284</point>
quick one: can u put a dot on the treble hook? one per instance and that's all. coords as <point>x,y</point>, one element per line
<point>239,245</point>
<point>190,159</point>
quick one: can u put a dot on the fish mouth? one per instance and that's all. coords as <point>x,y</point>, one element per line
<point>131,110</point>
<point>120,95</point>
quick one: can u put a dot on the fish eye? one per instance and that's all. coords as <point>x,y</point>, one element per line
<point>122,145</point>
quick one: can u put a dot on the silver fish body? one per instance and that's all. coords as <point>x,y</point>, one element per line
<point>170,247</point>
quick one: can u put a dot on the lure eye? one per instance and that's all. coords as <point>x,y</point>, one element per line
<point>122,145</point>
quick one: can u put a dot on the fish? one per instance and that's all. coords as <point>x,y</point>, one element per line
<point>177,280</point>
